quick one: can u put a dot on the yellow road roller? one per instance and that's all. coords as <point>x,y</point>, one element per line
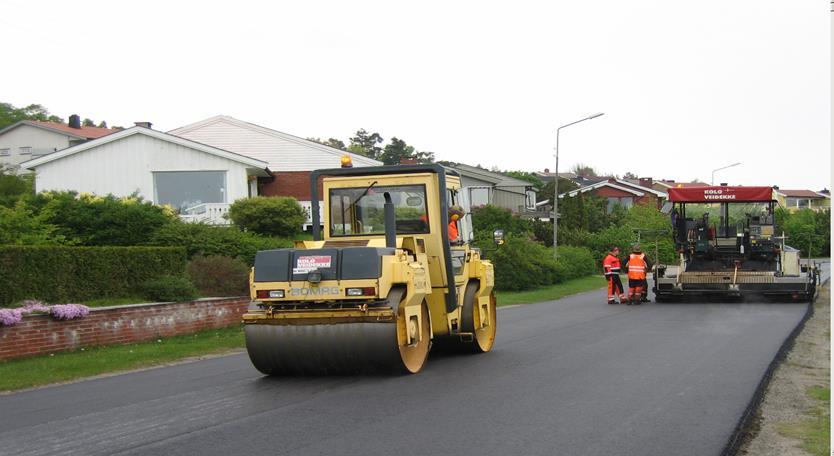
<point>387,272</point>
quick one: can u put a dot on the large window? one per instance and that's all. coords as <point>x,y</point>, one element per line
<point>186,189</point>
<point>360,211</point>
<point>626,202</point>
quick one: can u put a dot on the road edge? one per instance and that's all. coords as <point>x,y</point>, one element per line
<point>741,431</point>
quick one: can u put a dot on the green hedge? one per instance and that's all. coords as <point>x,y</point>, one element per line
<point>209,240</point>
<point>60,274</point>
<point>523,264</point>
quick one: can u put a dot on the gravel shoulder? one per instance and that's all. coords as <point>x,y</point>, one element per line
<point>786,401</point>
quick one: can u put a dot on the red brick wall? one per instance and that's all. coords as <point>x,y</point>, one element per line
<point>40,334</point>
<point>289,183</point>
<point>606,192</point>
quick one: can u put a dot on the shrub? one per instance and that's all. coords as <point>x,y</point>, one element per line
<point>268,215</point>
<point>209,240</point>
<point>67,274</point>
<point>486,219</point>
<point>806,229</point>
<point>575,262</point>
<point>169,288</point>
<point>100,220</point>
<point>19,226</point>
<point>219,275</point>
<point>14,186</point>
<point>521,264</point>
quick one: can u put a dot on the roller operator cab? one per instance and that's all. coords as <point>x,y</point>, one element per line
<point>727,247</point>
<point>380,281</point>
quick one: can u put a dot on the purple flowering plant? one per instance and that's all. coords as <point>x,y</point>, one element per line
<point>11,317</point>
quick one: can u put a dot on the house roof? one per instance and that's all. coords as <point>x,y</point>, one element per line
<point>641,188</point>
<point>499,179</point>
<point>250,162</point>
<point>80,133</point>
<point>282,150</point>
<point>605,183</point>
<point>801,194</point>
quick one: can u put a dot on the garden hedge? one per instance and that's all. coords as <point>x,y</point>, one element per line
<point>61,274</point>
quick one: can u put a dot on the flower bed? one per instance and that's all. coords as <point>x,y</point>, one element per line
<point>11,317</point>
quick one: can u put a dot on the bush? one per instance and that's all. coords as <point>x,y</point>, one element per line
<point>19,226</point>
<point>268,215</point>
<point>169,288</point>
<point>219,275</point>
<point>209,240</point>
<point>14,186</point>
<point>806,229</point>
<point>575,262</point>
<point>522,264</point>
<point>486,219</point>
<point>72,274</point>
<point>100,220</point>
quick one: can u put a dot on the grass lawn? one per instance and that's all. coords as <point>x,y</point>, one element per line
<point>560,290</point>
<point>814,431</point>
<point>61,367</point>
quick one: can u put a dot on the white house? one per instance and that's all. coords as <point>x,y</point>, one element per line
<point>290,158</point>
<point>198,180</point>
<point>28,139</point>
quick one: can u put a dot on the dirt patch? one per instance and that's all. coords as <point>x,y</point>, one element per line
<point>785,400</point>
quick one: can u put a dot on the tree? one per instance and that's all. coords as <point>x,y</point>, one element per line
<point>629,175</point>
<point>13,186</point>
<point>526,176</point>
<point>366,144</point>
<point>582,170</point>
<point>102,124</point>
<point>88,123</point>
<point>330,142</point>
<point>397,151</point>
<point>565,185</point>
<point>10,114</point>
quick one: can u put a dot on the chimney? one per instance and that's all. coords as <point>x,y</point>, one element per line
<point>646,182</point>
<point>75,121</point>
<point>776,187</point>
<point>143,124</point>
<point>723,184</point>
<point>408,161</point>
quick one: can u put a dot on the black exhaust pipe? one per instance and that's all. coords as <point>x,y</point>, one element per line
<point>390,222</point>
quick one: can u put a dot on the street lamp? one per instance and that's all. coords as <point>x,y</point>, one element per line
<point>556,183</point>
<point>712,179</point>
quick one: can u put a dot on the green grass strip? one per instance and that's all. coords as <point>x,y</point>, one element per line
<point>815,430</point>
<point>560,290</point>
<point>62,367</point>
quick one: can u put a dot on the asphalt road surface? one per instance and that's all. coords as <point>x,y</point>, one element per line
<point>569,377</point>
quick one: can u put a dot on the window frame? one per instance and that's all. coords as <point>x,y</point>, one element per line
<point>225,188</point>
<point>330,225</point>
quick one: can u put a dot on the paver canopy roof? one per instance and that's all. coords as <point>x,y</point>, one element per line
<point>720,194</point>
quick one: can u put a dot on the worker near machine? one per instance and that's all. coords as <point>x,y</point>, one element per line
<point>637,267</point>
<point>455,213</point>
<point>611,268</point>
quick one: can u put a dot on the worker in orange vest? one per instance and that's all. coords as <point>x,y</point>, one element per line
<point>611,268</point>
<point>455,213</point>
<point>636,274</point>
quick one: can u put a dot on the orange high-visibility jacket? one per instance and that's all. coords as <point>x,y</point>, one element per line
<point>636,267</point>
<point>611,265</point>
<point>453,231</point>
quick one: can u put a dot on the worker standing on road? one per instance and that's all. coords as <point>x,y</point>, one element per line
<point>611,268</point>
<point>636,274</point>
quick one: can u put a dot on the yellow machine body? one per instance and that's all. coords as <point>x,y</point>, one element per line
<point>426,287</point>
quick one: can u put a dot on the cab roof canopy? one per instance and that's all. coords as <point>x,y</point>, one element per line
<point>720,194</point>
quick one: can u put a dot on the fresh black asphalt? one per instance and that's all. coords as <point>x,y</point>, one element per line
<point>568,377</point>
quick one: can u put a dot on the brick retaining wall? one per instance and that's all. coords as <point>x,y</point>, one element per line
<point>40,334</point>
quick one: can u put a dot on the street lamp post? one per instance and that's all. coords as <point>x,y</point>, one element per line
<point>556,184</point>
<point>712,179</point>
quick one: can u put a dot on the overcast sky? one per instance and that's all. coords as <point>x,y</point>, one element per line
<point>686,87</point>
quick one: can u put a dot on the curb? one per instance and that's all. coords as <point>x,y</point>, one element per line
<point>739,433</point>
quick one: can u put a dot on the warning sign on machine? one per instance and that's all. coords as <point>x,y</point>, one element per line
<point>306,264</point>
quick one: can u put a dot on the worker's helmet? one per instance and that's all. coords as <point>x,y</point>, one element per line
<point>455,212</point>
<point>636,248</point>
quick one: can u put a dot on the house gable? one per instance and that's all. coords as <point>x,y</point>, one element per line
<point>283,152</point>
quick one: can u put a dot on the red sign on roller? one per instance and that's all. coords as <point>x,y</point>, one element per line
<point>306,264</point>
<point>720,194</point>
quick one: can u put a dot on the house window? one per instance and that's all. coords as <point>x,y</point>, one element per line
<point>5,152</point>
<point>790,202</point>
<point>530,200</point>
<point>479,196</point>
<point>25,151</point>
<point>184,190</point>
<point>626,202</point>
<point>804,203</point>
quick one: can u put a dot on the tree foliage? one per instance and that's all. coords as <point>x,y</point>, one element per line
<point>366,144</point>
<point>583,170</point>
<point>9,114</point>
<point>806,230</point>
<point>268,215</point>
<point>397,150</point>
<point>526,176</point>
<point>330,142</point>
<point>14,186</point>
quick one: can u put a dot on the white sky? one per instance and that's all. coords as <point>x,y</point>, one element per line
<point>687,87</point>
